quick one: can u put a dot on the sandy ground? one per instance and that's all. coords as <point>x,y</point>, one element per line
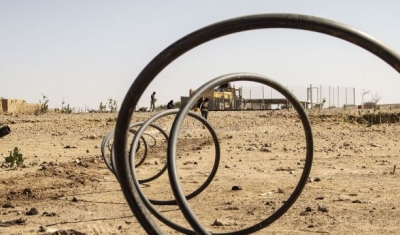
<point>64,186</point>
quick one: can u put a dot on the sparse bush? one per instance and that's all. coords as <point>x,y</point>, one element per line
<point>66,109</point>
<point>363,94</point>
<point>15,159</point>
<point>44,104</point>
<point>102,108</point>
<point>369,105</point>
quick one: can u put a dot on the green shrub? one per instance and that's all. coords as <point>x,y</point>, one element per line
<point>15,158</point>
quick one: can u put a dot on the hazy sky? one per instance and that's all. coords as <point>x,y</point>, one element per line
<point>88,51</point>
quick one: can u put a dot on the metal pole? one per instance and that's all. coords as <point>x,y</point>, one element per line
<point>346,95</point>
<point>329,97</point>
<point>263,98</point>
<point>320,94</point>
<point>251,101</point>
<point>333,96</point>
<point>311,98</point>
<point>338,97</point>
<point>354,95</point>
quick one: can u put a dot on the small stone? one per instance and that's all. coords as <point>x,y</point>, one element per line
<point>356,201</point>
<point>217,223</point>
<point>317,179</point>
<point>27,191</point>
<point>49,214</point>
<point>265,149</point>
<point>236,187</point>
<point>8,205</point>
<point>156,162</point>
<point>345,144</point>
<point>280,190</point>
<point>42,229</point>
<point>304,213</point>
<point>322,208</point>
<point>32,211</point>
<point>269,203</point>
<point>74,199</point>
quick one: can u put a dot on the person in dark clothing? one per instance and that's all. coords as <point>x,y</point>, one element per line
<point>153,101</point>
<point>204,108</point>
<point>199,102</point>
<point>170,105</point>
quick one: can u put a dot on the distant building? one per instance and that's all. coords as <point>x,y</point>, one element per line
<point>17,106</point>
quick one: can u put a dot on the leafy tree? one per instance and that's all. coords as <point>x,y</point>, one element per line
<point>112,105</point>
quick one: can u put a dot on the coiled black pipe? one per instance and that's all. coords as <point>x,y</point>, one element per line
<point>4,130</point>
<point>223,28</point>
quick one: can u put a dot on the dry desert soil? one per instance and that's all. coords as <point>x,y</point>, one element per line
<point>64,186</point>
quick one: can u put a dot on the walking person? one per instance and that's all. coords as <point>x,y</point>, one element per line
<point>153,102</point>
<point>204,108</point>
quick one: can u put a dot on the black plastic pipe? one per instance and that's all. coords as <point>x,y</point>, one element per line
<point>5,130</point>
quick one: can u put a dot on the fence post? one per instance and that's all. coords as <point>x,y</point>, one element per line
<point>329,96</point>
<point>338,105</point>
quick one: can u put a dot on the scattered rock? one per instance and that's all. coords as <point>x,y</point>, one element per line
<point>317,179</point>
<point>27,192</point>
<point>217,223</point>
<point>265,149</point>
<point>42,229</point>
<point>322,208</point>
<point>69,147</point>
<point>8,205</point>
<point>236,187</point>
<point>67,232</point>
<point>49,214</point>
<point>223,223</point>
<point>74,199</point>
<point>92,136</point>
<point>32,211</point>
<point>19,221</point>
